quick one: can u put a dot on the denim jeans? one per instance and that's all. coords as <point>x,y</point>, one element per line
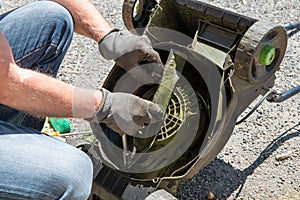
<point>39,35</point>
<point>33,165</point>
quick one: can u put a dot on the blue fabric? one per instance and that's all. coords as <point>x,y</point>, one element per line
<point>37,166</point>
<point>39,40</point>
<point>33,165</point>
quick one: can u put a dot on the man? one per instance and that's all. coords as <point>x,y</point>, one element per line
<point>34,38</point>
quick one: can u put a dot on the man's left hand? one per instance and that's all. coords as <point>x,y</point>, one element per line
<point>130,50</point>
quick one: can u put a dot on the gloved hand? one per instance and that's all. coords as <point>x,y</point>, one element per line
<point>130,50</point>
<point>126,113</point>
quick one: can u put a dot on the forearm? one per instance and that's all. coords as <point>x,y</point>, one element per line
<point>42,95</point>
<point>88,21</point>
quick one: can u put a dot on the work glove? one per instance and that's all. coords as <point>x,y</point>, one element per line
<point>129,51</point>
<point>126,113</point>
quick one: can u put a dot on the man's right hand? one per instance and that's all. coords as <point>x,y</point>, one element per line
<point>126,113</point>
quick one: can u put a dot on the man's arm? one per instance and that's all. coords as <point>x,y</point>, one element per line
<point>88,21</point>
<point>40,94</point>
<point>127,49</point>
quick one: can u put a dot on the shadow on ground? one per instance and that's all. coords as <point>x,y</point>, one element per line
<point>223,179</point>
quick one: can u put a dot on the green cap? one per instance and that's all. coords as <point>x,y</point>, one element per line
<point>267,55</point>
<point>60,124</point>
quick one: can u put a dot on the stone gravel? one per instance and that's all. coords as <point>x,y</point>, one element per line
<point>247,167</point>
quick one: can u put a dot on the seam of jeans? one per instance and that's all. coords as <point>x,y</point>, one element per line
<point>20,121</point>
<point>38,49</point>
<point>18,190</point>
<point>47,70</point>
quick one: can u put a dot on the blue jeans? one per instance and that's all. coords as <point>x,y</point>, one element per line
<point>33,165</point>
<point>39,35</point>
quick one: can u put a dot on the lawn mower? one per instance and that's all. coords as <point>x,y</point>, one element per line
<point>223,62</point>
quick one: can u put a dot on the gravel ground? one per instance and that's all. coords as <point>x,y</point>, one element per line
<point>247,167</point>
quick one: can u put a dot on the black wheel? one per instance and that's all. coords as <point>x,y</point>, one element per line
<point>136,13</point>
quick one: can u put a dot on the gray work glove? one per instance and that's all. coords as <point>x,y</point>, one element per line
<point>130,50</point>
<point>126,113</point>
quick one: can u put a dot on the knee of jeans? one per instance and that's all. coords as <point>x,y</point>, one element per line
<point>75,176</point>
<point>55,16</point>
<point>59,15</point>
<point>58,27</point>
<point>56,10</point>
